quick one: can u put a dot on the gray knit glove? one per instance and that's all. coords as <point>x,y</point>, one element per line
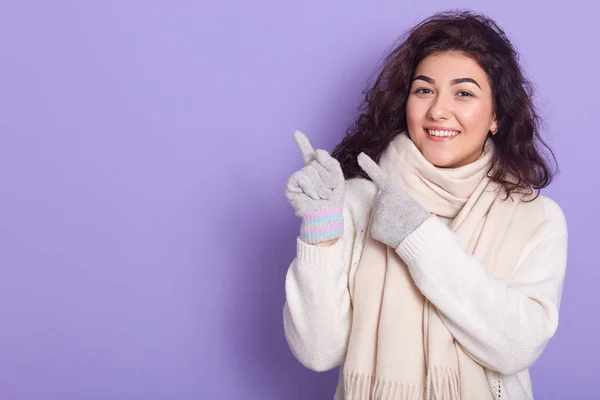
<point>317,194</point>
<point>395,213</point>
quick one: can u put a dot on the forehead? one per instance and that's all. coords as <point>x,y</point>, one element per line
<point>444,67</point>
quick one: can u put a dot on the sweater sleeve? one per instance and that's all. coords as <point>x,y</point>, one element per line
<point>317,311</point>
<point>504,327</point>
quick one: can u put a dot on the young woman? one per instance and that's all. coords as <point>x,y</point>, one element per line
<point>428,264</point>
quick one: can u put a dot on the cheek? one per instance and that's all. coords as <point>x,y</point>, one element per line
<point>415,111</point>
<point>474,116</point>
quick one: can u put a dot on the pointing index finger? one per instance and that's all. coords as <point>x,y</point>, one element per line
<point>308,153</point>
<point>374,171</point>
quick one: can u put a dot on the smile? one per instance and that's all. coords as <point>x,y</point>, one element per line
<point>441,135</point>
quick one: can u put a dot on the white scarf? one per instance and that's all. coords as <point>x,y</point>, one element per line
<point>399,346</point>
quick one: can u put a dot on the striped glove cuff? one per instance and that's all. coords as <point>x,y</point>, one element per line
<point>321,226</point>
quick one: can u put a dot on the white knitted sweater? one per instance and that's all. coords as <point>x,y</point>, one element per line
<point>503,327</point>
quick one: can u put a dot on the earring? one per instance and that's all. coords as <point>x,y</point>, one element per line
<point>494,130</point>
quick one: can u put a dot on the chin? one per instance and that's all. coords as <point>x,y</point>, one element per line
<point>443,165</point>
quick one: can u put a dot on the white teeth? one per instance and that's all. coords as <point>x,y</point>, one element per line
<point>442,133</point>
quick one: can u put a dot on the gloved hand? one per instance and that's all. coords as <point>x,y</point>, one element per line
<point>317,194</point>
<point>395,213</point>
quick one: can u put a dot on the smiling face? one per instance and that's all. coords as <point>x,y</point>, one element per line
<point>450,110</point>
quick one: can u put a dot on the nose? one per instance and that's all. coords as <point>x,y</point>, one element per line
<point>440,109</point>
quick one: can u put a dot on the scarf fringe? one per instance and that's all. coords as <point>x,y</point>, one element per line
<point>443,383</point>
<point>367,387</point>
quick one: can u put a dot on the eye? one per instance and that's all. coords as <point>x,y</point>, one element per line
<point>423,91</point>
<point>464,93</point>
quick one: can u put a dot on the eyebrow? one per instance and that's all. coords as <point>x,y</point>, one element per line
<point>453,82</point>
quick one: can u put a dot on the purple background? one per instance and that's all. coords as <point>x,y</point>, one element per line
<point>144,151</point>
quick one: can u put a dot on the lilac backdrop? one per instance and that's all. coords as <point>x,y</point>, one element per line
<point>144,151</point>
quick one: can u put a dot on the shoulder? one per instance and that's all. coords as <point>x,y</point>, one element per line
<point>554,220</point>
<point>553,211</point>
<point>551,234</point>
<point>543,209</point>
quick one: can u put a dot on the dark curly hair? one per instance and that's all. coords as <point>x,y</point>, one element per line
<point>519,164</point>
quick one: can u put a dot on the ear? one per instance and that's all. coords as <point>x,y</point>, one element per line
<point>494,126</point>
